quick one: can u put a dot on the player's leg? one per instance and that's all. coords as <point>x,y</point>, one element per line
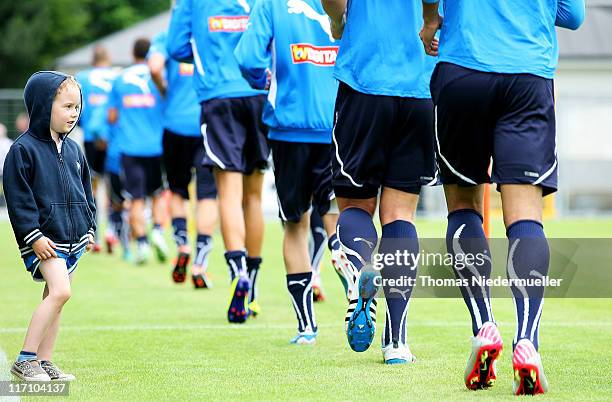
<point>292,160</point>
<point>254,232</point>
<point>134,179</point>
<point>358,161</point>
<point>256,153</point>
<point>55,274</point>
<point>316,249</point>
<point>207,211</point>
<point>397,210</point>
<point>525,167</point>
<point>117,215</point>
<point>159,206</point>
<point>466,113</point>
<point>178,153</point>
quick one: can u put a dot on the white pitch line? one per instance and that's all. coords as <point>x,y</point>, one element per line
<point>272,327</point>
<point>5,375</point>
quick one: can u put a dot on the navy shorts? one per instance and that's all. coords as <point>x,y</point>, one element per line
<point>32,263</point>
<point>381,141</point>
<point>115,189</point>
<point>302,174</point>
<point>235,137</point>
<point>142,176</point>
<point>181,155</point>
<point>509,117</point>
<point>95,157</point>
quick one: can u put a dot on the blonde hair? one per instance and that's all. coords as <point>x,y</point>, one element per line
<point>70,80</point>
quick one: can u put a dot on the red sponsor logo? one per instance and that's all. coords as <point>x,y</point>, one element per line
<point>228,23</point>
<point>319,55</point>
<point>185,69</point>
<point>138,100</point>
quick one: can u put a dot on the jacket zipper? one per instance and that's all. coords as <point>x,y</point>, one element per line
<point>60,156</point>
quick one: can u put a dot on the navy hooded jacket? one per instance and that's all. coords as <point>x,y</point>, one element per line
<point>48,193</point>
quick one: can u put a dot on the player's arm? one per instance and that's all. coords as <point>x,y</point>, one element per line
<point>112,114</point>
<point>253,50</point>
<point>156,59</point>
<point>570,14</point>
<point>179,32</point>
<point>22,209</point>
<point>431,23</point>
<point>336,10</point>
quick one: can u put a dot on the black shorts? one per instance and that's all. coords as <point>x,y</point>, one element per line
<point>381,141</point>
<point>182,154</point>
<point>509,117</point>
<point>235,138</point>
<point>95,157</point>
<point>142,176</point>
<point>115,188</point>
<point>302,174</point>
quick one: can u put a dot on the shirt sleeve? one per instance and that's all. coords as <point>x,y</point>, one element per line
<point>91,203</point>
<point>178,43</point>
<point>158,46</point>
<point>570,14</point>
<point>21,205</point>
<point>253,51</point>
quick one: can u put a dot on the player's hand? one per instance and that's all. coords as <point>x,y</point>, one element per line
<point>428,36</point>
<point>91,242</point>
<point>101,144</point>
<point>44,248</point>
<point>268,79</point>
<point>337,27</point>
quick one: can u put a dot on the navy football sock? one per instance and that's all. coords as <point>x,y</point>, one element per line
<point>528,258</point>
<point>300,290</point>
<point>317,241</point>
<point>236,263</point>
<point>204,245</point>
<point>398,236</point>
<point>25,355</point>
<point>357,235</point>
<point>333,243</point>
<point>142,240</point>
<point>464,237</point>
<point>180,231</point>
<point>253,264</point>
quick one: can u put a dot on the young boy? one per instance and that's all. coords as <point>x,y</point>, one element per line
<point>51,207</point>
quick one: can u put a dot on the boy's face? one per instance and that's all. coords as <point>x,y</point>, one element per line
<point>65,109</point>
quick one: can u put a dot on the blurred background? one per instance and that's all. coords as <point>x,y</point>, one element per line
<point>61,34</point>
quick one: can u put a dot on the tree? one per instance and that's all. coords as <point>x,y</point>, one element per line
<point>36,32</point>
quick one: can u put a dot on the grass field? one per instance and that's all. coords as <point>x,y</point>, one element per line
<point>129,333</point>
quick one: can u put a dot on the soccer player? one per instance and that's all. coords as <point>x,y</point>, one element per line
<point>316,249</point>
<point>117,225</point>
<point>235,137</point>
<point>135,107</point>
<point>383,142</point>
<point>183,151</point>
<point>51,207</point>
<point>299,113</point>
<point>96,84</point>
<point>494,98</point>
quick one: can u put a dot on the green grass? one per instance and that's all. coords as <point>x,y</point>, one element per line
<point>128,333</point>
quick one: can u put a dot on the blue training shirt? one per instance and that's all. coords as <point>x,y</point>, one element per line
<point>302,94</point>
<point>140,109</point>
<point>380,51</point>
<point>181,108</point>
<point>96,84</point>
<point>503,36</point>
<point>207,32</point>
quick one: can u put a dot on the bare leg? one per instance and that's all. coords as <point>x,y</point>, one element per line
<point>253,213</point>
<point>48,311</point>
<point>137,218</point>
<point>229,186</point>
<point>295,246</point>
<point>45,350</point>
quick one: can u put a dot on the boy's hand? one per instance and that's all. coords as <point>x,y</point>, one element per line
<point>91,242</point>
<point>44,248</point>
